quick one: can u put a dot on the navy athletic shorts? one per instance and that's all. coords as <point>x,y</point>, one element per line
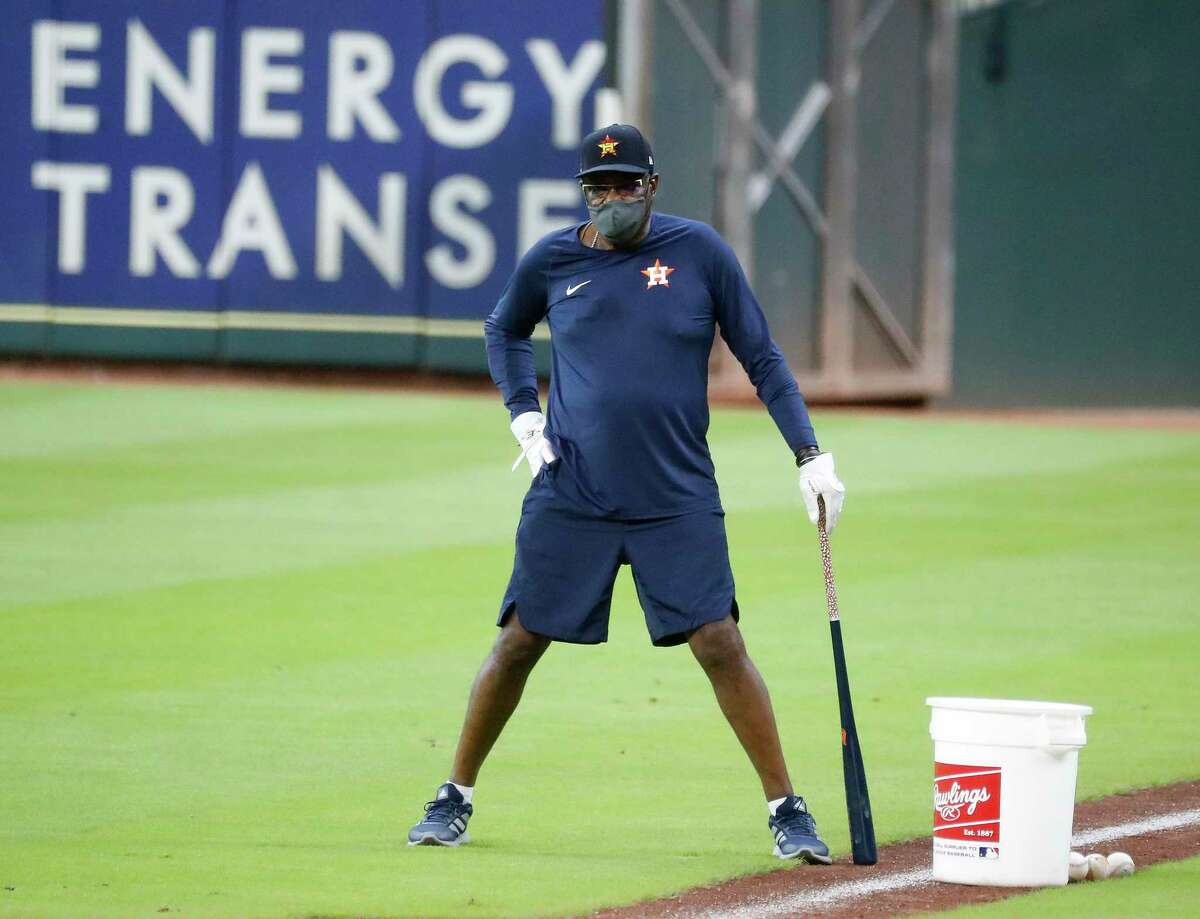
<point>566,562</point>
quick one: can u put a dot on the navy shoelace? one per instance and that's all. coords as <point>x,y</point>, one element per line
<point>798,822</point>
<point>443,809</point>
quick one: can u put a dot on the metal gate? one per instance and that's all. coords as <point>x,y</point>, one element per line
<point>818,137</point>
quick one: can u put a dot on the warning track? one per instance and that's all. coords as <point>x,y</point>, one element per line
<point>1152,825</point>
<point>134,371</point>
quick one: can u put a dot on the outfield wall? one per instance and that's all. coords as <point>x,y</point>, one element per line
<point>335,184</point>
<point>1077,214</point>
<point>1077,164</point>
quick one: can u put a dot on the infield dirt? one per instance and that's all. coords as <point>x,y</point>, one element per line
<point>857,887</point>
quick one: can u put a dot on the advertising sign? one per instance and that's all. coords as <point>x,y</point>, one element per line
<point>240,168</point>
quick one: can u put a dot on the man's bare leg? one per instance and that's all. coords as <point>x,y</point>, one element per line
<point>494,696</point>
<point>743,697</point>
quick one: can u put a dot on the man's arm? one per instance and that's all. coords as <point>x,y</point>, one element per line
<point>744,328</point>
<point>507,330</point>
<point>510,357</point>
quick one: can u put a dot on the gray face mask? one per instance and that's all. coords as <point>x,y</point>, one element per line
<point>620,221</point>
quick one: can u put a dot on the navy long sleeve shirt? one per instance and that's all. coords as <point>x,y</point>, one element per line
<point>631,332</point>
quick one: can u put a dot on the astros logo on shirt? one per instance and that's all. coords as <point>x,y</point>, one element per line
<point>656,274</point>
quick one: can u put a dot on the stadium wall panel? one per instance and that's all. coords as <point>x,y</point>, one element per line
<point>1076,205</point>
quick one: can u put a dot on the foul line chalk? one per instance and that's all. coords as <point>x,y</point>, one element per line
<point>837,894</point>
<point>1136,828</point>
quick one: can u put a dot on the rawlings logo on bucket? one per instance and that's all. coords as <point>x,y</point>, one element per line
<point>949,804</point>
<point>966,803</point>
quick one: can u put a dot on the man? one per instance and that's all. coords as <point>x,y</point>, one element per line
<point>621,467</point>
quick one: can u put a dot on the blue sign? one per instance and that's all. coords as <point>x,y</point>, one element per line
<point>365,157</point>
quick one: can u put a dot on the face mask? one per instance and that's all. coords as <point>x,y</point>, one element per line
<point>620,221</point>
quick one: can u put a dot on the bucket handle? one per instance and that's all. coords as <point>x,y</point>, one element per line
<point>1045,743</point>
<point>1043,732</point>
<point>1042,740</point>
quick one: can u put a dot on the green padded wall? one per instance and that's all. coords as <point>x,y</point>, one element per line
<point>1078,187</point>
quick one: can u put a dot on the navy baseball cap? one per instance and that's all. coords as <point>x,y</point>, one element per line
<point>616,148</point>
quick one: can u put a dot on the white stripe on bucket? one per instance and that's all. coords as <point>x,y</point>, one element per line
<point>838,894</point>
<point>963,775</point>
<point>955,826</point>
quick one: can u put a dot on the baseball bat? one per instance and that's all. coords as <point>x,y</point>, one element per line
<point>858,801</point>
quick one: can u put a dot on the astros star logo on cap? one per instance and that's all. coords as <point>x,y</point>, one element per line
<point>608,146</point>
<point>656,274</point>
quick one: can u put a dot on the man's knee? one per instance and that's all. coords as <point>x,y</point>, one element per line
<point>516,646</point>
<point>718,644</point>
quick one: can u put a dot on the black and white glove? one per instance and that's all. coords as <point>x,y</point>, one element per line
<point>527,428</point>
<point>817,479</point>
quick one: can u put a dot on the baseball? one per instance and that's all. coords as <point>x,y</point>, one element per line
<point>1120,865</point>
<point>1077,867</point>
<point>1097,866</point>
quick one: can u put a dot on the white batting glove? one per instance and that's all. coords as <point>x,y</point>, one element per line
<point>818,478</point>
<point>527,429</point>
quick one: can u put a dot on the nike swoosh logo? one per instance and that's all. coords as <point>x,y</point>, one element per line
<point>571,290</point>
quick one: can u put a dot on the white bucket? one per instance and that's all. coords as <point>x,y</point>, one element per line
<point>1004,790</point>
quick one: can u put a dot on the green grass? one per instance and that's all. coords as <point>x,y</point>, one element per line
<point>240,626</point>
<point>1167,889</point>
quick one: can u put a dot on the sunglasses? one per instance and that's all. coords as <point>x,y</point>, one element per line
<point>595,195</point>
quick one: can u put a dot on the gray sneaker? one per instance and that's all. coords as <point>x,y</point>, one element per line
<point>445,820</point>
<point>796,833</point>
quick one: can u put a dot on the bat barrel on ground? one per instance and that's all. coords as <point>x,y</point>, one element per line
<point>858,801</point>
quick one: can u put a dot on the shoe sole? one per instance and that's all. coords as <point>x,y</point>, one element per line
<point>429,839</point>
<point>808,856</point>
